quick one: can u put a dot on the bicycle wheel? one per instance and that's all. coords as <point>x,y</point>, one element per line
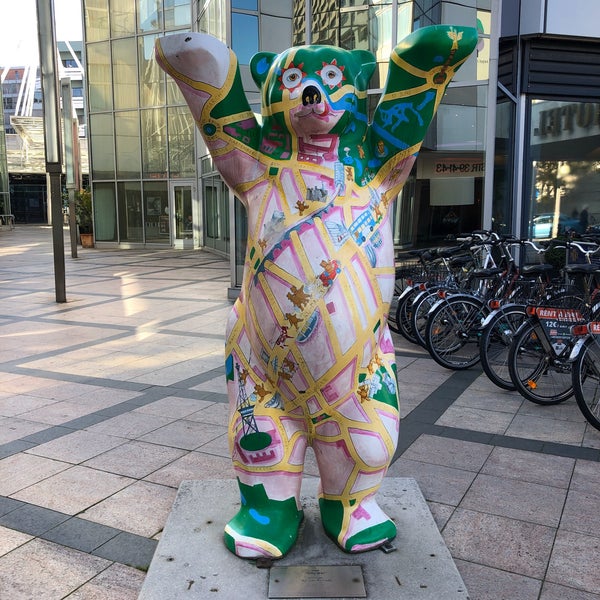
<point>536,374</point>
<point>399,286</point>
<point>421,306</point>
<point>586,381</point>
<point>453,331</point>
<point>495,342</point>
<point>403,312</point>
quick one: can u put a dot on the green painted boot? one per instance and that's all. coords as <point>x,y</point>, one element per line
<point>356,527</point>
<point>262,527</point>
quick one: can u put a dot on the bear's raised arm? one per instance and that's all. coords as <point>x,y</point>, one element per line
<point>420,69</point>
<point>207,73</point>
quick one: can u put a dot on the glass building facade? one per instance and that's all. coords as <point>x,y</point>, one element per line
<point>152,178</point>
<point>514,146</point>
<point>142,159</point>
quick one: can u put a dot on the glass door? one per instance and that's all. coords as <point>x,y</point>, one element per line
<point>183,219</point>
<point>216,213</point>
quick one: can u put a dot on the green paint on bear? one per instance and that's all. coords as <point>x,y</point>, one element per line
<point>255,441</point>
<point>275,522</point>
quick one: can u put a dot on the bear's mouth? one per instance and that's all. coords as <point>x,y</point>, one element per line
<point>320,111</point>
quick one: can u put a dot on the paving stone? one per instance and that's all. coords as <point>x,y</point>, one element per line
<point>116,582</point>
<point>8,504</point>
<point>447,452</point>
<point>485,583</point>
<point>437,483</point>
<point>11,539</point>
<point>41,569</point>
<point>128,549</point>
<point>80,534</point>
<point>499,542</point>
<point>32,519</point>
<point>130,425</point>
<point>184,434</point>
<point>77,446</point>
<point>173,406</point>
<point>473,418</point>
<point>17,404</point>
<point>586,476</point>
<point>547,429</point>
<point>194,465</point>
<point>522,500</point>
<point>73,490</point>
<point>135,459</point>
<point>574,561</point>
<point>581,512</point>
<point>552,591</point>
<point>13,428</point>
<point>530,466</point>
<point>128,509</point>
<point>22,470</point>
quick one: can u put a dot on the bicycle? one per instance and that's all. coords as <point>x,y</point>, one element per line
<point>533,285</point>
<point>539,358</point>
<point>585,371</point>
<point>454,324</point>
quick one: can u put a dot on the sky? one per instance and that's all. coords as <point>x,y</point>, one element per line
<point>18,32</point>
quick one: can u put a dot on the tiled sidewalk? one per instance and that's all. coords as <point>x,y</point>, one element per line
<point>109,401</point>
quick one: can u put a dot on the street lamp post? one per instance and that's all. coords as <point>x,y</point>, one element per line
<point>52,138</point>
<point>71,163</point>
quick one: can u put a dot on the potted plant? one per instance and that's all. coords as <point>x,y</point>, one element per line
<point>84,214</point>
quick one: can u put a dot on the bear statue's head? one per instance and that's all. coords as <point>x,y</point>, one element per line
<point>314,89</point>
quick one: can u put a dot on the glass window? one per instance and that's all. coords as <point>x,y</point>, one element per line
<point>99,80</point>
<point>484,26</point>
<point>213,19</point>
<point>244,36</point>
<point>181,142</point>
<point>125,82</point>
<point>127,138</point>
<point>96,20</point>
<point>564,168</point>
<point>177,13</point>
<point>149,14</point>
<point>154,142</point>
<point>502,218</point>
<point>354,30</point>
<point>245,4</point>
<point>105,214</point>
<point>102,146</point>
<point>276,33</point>
<point>122,18</point>
<point>326,27</point>
<point>156,212</point>
<point>131,225</point>
<point>152,78</point>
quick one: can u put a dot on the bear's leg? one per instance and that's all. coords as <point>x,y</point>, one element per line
<point>353,464</point>
<point>268,448</point>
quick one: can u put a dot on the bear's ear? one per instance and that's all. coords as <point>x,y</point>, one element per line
<point>259,66</point>
<point>368,63</point>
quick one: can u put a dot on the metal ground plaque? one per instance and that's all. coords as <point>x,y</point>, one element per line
<point>315,581</point>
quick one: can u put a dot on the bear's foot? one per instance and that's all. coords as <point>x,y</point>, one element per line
<point>263,527</point>
<point>356,527</point>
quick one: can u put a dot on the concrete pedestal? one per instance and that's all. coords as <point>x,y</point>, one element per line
<point>191,561</point>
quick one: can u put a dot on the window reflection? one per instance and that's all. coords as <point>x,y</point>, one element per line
<point>244,36</point>
<point>565,169</point>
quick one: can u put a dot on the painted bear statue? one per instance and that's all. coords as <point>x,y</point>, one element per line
<point>309,357</point>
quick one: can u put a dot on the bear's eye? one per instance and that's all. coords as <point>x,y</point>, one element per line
<point>291,78</point>
<point>331,75</point>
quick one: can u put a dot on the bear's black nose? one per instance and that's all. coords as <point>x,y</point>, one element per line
<point>311,95</point>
